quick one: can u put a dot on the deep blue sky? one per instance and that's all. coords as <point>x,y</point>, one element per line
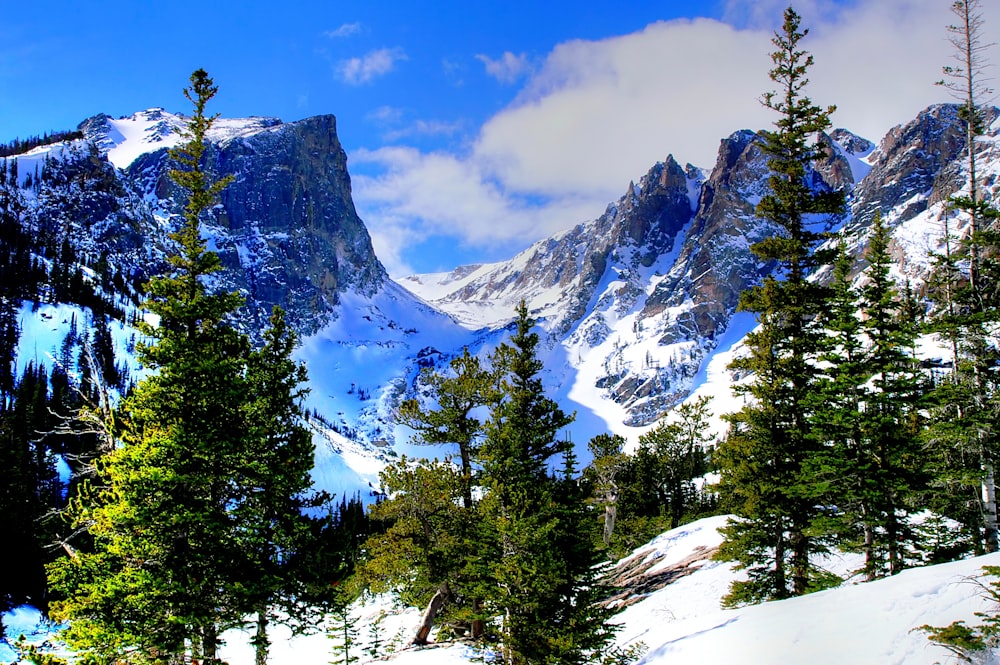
<point>473,127</point>
<point>63,61</point>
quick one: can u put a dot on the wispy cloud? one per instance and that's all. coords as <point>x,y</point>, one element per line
<point>508,68</point>
<point>386,115</point>
<point>365,69</point>
<point>424,128</point>
<point>419,195</point>
<point>346,30</point>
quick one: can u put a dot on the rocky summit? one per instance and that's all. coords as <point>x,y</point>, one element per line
<point>285,228</point>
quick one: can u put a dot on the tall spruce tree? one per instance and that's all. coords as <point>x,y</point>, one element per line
<point>866,415</point>
<point>966,405</point>
<point>771,437</point>
<point>270,517</point>
<point>541,582</point>
<point>196,512</point>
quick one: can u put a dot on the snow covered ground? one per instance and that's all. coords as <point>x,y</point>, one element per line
<point>683,624</point>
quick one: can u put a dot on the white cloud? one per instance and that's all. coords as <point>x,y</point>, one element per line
<point>424,128</point>
<point>357,71</point>
<point>386,115</point>
<point>346,30</point>
<point>508,68</point>
<point>423,194</point>
<point>597,114</point>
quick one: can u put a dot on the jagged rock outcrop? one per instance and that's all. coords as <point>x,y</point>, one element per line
<point>916,165</point>
<point>559,277</point>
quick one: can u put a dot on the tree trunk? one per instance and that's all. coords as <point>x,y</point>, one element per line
<point>869,547</point>
<point>800,561</point>
<point>892,535</point>
<point>433,607</point>
<point>260,641</point>
<point>610,512</point>
<point>780,585</point>
<point>210,643</point>
<point>989,507</point>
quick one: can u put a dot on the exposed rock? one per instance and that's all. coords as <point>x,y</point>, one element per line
<point>286,227</point>
<point>631,580</point>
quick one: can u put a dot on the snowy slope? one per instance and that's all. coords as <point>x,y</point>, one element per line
<point>125,139</point>
<point>682,624</point>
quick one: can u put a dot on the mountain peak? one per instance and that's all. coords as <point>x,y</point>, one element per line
<point>126,138</point>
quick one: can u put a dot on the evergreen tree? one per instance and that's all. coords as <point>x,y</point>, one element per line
<point>893,402</point>
<point>30,491</point>
<point>164,576</point>
<point>457,396</point>
<point>771,437</point>
<point>271,524</point>
<point>966,403</point>
<point>608,460</point>
<point>867,415</point>
<point>424,553</point>
<point>540,579</point>
<point>343,632</point>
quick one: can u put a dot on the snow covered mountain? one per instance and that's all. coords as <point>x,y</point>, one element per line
<point>635,304</point>
<point>639,298</point>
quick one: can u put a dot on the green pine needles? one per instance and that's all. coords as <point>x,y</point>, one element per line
<point>497,546</point>
<point>762,458</point>
<point>195,513</point>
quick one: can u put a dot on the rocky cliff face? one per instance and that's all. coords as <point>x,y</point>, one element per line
<point>286,227</point>
<point>559,277</point>
<point>634,302</point>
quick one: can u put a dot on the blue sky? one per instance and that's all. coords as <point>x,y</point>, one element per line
<point>474,127</point>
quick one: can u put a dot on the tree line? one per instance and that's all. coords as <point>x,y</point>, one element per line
<point>846,439</point>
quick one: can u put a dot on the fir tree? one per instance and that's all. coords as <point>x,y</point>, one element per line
<point>276,488</point>
<point>771,437</point>
<point>163,579</point>
<point>866,415</point>
<point>966,404</point>
<point>540,578</point>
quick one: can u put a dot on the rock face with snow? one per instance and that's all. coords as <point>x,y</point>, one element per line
<point>633,302</point>
<point>286,228</point>
<point>639,297</point>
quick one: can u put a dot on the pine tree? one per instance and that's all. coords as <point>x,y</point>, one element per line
<point>163,579</point>
<point>608,460</point>
<point>271,524</point>
<point>866,414</point>
<point>540,579</point>
<point>343,631</point>
<point>771,437</point>
<point>966,402</point>
<point>457,396</point>
<point>424,553</point>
